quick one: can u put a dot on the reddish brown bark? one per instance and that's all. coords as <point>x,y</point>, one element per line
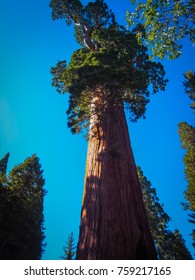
<point>113,219</point>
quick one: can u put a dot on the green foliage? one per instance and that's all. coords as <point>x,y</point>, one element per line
<point>187,137</point>
<point>73,11</point>
<point>176,247</point>
<point>190,86</point>
<point>60,8</point>
<point>96,14</point>
<point>3,168</point>
<point>57,72</point>
<point>120,65</point>
<point>3,164</point>
<point>21,212</point>
<point>161,24</point>
<point>169,245</point>
<point>69,248</point>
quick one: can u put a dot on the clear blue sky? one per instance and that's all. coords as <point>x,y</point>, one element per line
<point>33,119</point>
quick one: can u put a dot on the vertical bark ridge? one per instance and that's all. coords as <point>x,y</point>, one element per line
<point>113,219</point>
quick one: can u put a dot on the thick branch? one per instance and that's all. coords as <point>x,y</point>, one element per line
<point>86,30</point>
<point>86,34</point>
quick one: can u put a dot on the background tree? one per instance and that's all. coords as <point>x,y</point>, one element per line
<point>161,24</point>
<point>187,137</point>
<point>69,248</point>
<point>3,165</point>
<point>158,219</point>
<point>189,85</point>
<point>176,247</point>
<point>169,245</point>
<point>3,198</point>
<point>110,71</point>
<point>21,213</point>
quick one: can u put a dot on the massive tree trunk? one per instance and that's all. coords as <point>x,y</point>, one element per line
<point>113,218</point>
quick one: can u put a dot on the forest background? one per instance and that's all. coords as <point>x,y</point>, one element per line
<point>33,119</point>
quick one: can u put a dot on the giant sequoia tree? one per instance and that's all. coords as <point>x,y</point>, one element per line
<point>110,72</point>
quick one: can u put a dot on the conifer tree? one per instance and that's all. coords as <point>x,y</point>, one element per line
<point>3,199</point>
<point>189,85</point>
<point>175,247</point>
<point>111,71</point>
<point>69,248</point>
<point>3,169</point>
<point>169,245</point>
<point>157,217</point>
<point>3,164</point>
<point>21,213</point>
<point>187,137</point>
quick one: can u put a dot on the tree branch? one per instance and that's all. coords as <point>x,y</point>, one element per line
<point>86,30</point>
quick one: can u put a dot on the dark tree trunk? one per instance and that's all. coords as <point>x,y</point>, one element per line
<point>113,218</point>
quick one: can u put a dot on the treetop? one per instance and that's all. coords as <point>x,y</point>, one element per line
<point>110,56</point>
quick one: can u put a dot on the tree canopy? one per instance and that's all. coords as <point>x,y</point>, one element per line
<point>119,64</point>
<point>161,24</point>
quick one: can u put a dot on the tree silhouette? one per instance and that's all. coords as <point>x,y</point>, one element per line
<point>69,248</point>
<point>21,211</point>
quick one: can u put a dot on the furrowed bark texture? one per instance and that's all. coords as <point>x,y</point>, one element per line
<point>113,219</point>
